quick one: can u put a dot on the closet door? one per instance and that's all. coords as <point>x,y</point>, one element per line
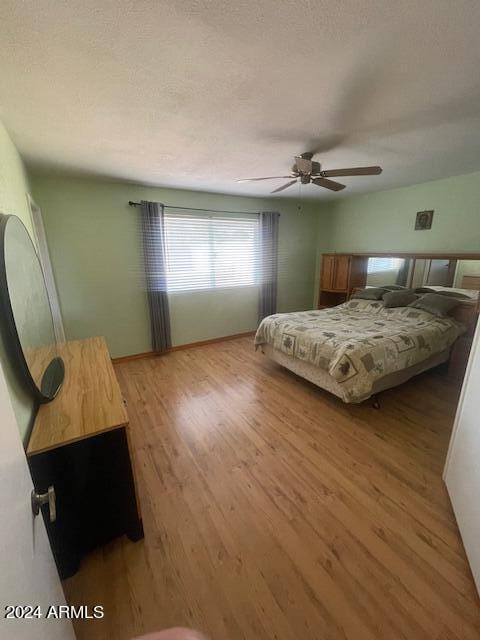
<point>28,576</point>
<point>462,470</point>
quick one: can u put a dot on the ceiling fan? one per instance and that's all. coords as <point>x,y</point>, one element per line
<point>308,171</point>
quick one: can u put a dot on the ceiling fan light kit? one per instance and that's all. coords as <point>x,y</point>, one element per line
<point>308,171</point>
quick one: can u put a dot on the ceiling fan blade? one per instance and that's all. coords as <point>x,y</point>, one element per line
<point>284,186</point>
<point>255,179</point>
<point>355,171</point>
<point>328,184</point>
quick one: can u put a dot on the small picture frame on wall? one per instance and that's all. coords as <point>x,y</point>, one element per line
<point>423,220</point>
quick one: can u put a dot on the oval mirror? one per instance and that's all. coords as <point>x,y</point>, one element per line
<point>27,321</point>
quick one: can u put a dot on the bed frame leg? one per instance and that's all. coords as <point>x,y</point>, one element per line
<point>375,401</point>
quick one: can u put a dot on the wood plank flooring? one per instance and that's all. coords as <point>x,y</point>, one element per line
<point>274,511</point>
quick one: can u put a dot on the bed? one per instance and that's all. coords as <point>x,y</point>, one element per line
<point>359,348</point>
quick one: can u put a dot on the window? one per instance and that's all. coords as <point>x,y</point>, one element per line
<point>211,251</point>
<point>377,265</point>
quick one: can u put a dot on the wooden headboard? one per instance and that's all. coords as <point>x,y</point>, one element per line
<point>467,314</point>
<point>471,282</point>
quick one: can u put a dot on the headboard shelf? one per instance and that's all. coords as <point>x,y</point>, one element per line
<point>343,272</point>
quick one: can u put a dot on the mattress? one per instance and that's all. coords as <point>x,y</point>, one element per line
<point>324,380</point>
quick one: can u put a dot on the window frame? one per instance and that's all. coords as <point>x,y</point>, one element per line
<point>212,282</point>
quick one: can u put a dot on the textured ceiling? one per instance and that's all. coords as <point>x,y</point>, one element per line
<point>193,94</point>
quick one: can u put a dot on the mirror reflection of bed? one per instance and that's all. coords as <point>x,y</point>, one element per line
<point>462,276</point>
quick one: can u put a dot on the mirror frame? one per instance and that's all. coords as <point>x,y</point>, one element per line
<point>54,372</point>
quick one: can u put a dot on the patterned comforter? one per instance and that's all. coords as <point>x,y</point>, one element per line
<point>360,341</point>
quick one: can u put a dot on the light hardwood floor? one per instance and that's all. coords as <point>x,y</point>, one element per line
<point>272,510</point>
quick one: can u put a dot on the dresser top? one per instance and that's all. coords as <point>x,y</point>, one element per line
<point>89,403</point>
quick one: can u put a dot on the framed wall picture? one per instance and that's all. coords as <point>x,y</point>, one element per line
<point>423,220</point>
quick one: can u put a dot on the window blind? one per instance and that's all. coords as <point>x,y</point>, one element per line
<point>208,251</point>
<point>377,265</point>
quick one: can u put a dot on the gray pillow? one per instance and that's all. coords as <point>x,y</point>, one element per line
<point>370,293</point>
<point>424,290</point>
<point>436,304</point>
<point>403,298</point>
<point>393,287</point>
<point>453,294</point>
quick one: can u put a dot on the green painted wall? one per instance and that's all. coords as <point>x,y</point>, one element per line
<point>94,245</point>
<point>13,189</point>
<point>385,220</point>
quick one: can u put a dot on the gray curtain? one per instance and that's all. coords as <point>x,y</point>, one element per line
<point>403,273</point>
<point>268,263</point>
<point>153,237</point>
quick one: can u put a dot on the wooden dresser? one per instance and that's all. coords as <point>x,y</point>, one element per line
<point>80,445</point>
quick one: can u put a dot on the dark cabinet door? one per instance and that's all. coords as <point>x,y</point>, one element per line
<point>95,496</point>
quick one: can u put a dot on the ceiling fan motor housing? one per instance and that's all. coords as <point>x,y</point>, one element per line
<point>306,166</point>
<point>303,165</point>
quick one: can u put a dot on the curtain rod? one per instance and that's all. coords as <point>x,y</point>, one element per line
<point>171,206</point>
